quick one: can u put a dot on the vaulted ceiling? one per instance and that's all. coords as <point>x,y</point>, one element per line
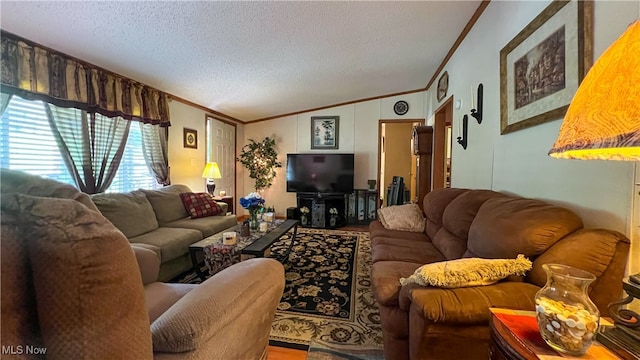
<point>252,60</point>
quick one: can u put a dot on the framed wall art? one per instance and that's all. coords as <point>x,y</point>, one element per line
<point>443,86</point>
<point>324,132</point>
<point>542,67</point>
<point>190,138</point>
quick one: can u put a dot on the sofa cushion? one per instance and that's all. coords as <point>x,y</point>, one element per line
<point>173,242</point>
<point>467,272</point>
<point>377,229</point>
<point>507,226</point>
<point>167,204</point>
<point>200,205</point>
<point>384,280</point>
<point>390,249</point>
<point>22,183</point>
<point>207,226</point>
<point>451,239</point>
<point>451,246</point>
<point>88,289</point>
<point>406,217</point>
<point>130,212</point>
<point>19,312</point>
<point>467,305</point>
<point>602,247</point>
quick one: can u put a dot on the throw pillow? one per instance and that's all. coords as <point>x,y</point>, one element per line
<point>406,217</point>
<point>467,272</point>
<point>200,205</point>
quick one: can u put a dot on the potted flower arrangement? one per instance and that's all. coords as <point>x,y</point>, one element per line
<point>304,213</point>
<point>254,203</point>
<point>333,220</point>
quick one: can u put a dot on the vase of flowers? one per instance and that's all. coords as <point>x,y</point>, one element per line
<point>304,216</point>
<point>254,203</point>
<point>333,219</point>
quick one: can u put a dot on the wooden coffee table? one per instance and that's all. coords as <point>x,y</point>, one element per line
<point>256,245</point>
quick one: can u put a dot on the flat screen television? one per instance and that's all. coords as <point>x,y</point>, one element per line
<point>320,173</point>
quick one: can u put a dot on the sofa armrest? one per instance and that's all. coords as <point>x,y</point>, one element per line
<point>224,206</point>
<point>468,305</point>
<point>148,263</point>
<point>236,303</point>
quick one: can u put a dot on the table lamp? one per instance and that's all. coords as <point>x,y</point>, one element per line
<point>211,171</point>
<point>603,123</point>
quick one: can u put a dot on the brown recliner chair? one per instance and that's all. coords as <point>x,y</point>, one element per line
<point>71,287</point>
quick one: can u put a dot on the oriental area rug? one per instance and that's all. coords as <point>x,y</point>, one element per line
<point>327,305</point>
<point>327,298</point>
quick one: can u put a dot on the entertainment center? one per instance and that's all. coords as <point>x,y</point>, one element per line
<point>323,184</point>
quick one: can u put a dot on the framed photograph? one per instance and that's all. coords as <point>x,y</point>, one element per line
<point>542,67</point>
<point>324,132</point>
<point>190,138</point>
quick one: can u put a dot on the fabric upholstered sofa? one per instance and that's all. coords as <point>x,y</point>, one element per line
<point>424,322</point>
<point>157,220</point>
<point>73,286</point>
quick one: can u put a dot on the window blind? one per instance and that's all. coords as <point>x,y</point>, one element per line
<point>28,145</point>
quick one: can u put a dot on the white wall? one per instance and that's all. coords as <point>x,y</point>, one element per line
<point>186,164</point>
<point>285,132</point>
<point>599,191</point>
<point>358,134</point>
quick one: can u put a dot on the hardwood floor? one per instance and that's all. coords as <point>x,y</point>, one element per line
<point>280,353</point>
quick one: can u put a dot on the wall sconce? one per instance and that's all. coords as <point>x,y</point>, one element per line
<point>477,111</point>
<point>463,140</point>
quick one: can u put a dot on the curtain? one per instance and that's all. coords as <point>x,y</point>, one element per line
<point>155,150</point>
<point>37,73</point>
<point>90,144</point>
<point>4,102</point>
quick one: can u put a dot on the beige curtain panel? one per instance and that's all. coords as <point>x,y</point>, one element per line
<point>37,73</point>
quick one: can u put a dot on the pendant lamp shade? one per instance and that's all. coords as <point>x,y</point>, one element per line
<point>603,120</point>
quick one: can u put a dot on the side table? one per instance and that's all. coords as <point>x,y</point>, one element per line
<point>227,200</point>
<point>515,336</point>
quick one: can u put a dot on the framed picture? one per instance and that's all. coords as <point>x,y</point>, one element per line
<point>324,132</point>
<point>443,86</point>
<point>190,138</point>
<point>541,68</point>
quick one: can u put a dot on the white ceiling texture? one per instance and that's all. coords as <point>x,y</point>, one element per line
<point>252,60</point>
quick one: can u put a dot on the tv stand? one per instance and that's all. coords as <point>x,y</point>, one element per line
<point>321,206</point>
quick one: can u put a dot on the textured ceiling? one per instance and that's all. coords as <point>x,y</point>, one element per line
<point>252,60</point>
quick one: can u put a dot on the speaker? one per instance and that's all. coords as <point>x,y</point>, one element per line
<point>293,213</point>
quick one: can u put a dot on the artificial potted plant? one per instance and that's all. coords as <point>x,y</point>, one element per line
<point>261,159</point>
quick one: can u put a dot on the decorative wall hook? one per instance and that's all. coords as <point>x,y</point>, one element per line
<point>477,112</point>
<point>463,140</point>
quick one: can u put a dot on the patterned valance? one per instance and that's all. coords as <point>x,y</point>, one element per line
<point>38,73</point>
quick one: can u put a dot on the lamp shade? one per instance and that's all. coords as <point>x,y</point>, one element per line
<point>603,120</point>
<point>211,171</point>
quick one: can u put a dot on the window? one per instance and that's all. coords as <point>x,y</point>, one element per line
<point>27,144</point>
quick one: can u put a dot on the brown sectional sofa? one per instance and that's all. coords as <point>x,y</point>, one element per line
<point>436,323</point>
<point>158,221</point>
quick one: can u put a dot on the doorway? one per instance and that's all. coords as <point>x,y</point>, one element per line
<point>442,140</point>
<point>220,147</point>
<point>396,157</point>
